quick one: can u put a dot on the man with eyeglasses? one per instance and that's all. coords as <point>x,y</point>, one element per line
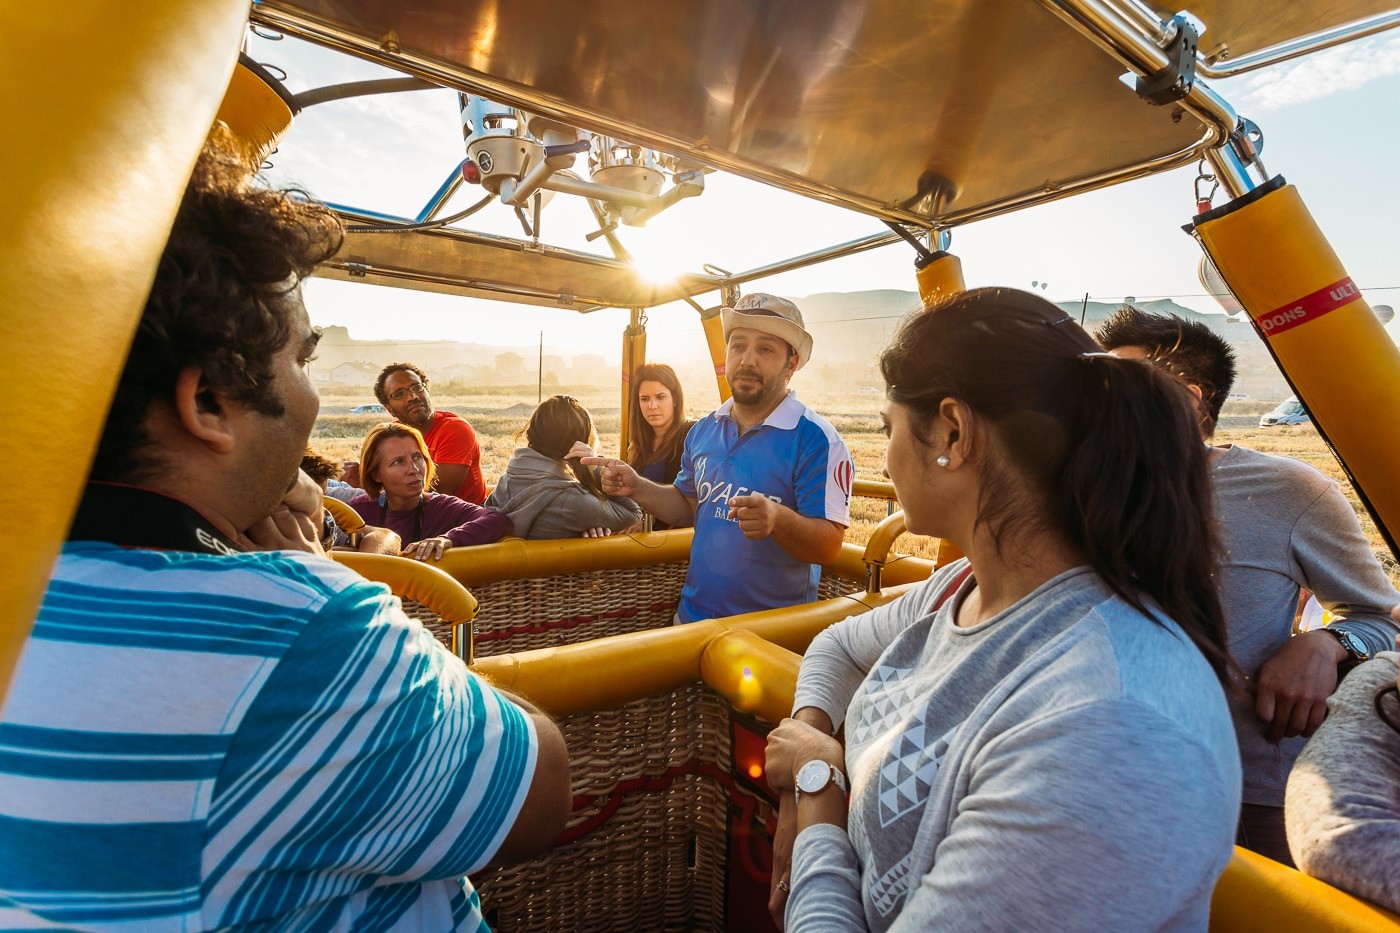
<point>402,388</point>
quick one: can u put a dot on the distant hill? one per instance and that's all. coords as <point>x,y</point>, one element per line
<point>849,329</point>
<point>853,327</point>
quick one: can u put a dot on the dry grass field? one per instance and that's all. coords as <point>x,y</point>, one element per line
<point>498,413</point>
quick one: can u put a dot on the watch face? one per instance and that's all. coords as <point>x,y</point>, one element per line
<point>1352,644</point>
<point>813,776</point>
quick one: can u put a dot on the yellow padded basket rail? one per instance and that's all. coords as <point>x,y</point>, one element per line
<point>414,580</point>
<point>105,112</point>
<point>345,517</point>
<point>1258,895</point>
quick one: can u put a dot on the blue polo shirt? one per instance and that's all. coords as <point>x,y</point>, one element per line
<point>795,458</point>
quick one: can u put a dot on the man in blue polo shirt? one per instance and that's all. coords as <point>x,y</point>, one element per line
<point>765,480</point>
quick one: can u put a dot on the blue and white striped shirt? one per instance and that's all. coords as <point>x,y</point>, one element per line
<point>263,740</point>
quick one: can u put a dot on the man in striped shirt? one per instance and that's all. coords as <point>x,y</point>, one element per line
<point>211,725</point>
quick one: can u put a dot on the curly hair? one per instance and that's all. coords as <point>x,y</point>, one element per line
<point>1189,350</point>
<point>219,298</point>
<point>388,371</point>
<point>320,468</point>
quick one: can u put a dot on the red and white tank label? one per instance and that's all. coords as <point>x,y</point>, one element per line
<point>1308,308</point>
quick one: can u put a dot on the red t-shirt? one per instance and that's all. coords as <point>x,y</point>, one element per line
<point>452,440</point>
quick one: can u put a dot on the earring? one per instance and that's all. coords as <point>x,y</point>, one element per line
<point>942,461</point>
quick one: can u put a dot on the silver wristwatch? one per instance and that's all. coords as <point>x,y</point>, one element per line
<point>816,776</point>
<point>1354,647</point>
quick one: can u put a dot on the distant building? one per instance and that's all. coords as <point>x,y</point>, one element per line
<point>354,373</point>
<point>510,367</point>
<point>591,369</point>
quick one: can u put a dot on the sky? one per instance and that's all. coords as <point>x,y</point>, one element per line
<point>1331,125</point>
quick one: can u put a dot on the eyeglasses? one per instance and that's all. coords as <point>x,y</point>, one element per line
<point>418,389</point>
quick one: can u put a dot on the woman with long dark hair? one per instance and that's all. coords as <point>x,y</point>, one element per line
<point>397,473</point>
<point>658,423</point>
<point>546,491</point>
<point>1343,803</point>
<point>1037,737</point>
<point>658,426</point>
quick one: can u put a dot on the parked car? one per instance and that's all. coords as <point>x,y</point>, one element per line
<point>1289,411</point>
<point>374,409</point>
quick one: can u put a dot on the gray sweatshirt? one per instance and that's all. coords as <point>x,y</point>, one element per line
<point>1286,525</point>
<point>544,500</point>
<point>1066,765</point>
<point>1343,807</point>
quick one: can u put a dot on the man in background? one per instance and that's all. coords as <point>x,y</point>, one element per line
<point>1284,526</point>
<point>402,388</point>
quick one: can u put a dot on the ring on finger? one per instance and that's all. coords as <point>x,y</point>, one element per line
<point>783,886</point>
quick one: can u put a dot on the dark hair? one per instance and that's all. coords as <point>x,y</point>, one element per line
<point>320,468</point>
<point>1104,451</point>
<point>234,254</point>
<point>554,427</point>
<point>369,455</point>
<point>1189,350</point>
<point>388,371</point>
<point>643,446</point>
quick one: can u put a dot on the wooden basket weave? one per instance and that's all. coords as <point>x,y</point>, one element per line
<point>523,615</point>
<point>442,630</point>
<point>645,847</point>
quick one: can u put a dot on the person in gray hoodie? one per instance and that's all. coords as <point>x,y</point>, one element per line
<point>547,493</point>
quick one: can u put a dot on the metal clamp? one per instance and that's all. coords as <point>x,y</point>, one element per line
<point>1174,81</point>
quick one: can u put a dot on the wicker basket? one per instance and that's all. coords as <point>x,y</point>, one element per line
<point>646,845</point>
<point>522,615</point>
<point>442,630</point>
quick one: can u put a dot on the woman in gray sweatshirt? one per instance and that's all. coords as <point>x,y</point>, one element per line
<point>547,496</point>
<point>1037,737</point>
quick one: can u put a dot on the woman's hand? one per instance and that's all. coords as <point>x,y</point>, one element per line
<point>783,838</point>
<point>579,451</point>
<point>428,548</point>
<point>794,743</point>
<point>790,746</point>
<point>598,533</point>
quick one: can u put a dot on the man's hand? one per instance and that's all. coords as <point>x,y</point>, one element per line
<point>598,533</point>
<point>294,525</point>
<point>756,514</point>
<point>350,473</point>
<point>616,476</point>
<point>1292,687</point>
<point>428,548</point>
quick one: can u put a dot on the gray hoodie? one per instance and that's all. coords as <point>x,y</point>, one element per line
<point>544,500</point>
